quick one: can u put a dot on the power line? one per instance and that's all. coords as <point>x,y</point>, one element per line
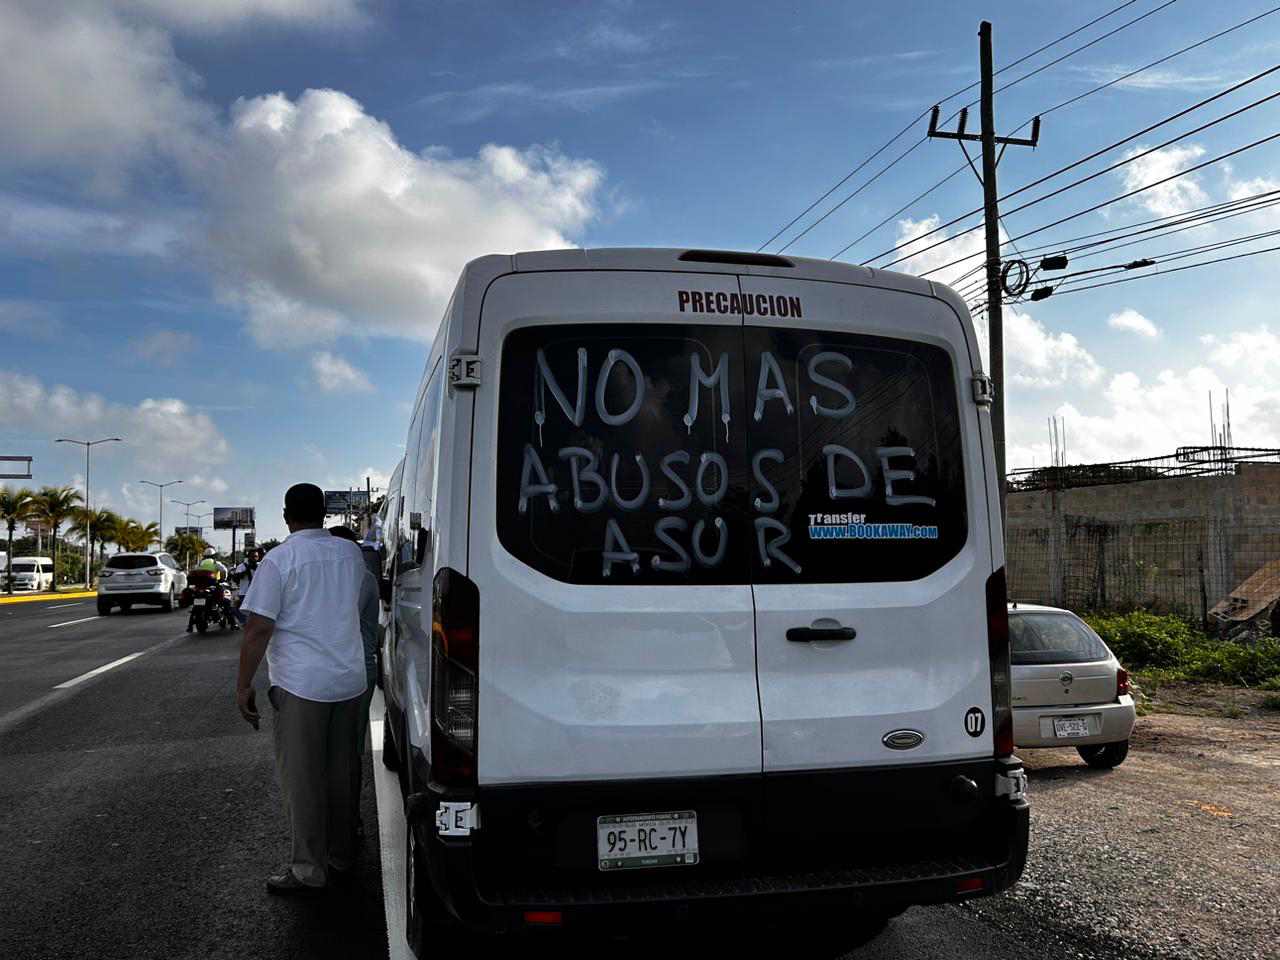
<point>897,136</point>
<point>1058,106</point>
<point>1097,153</point>
<point>1165,273</point>
<point>1172,255</point>
<point>1210,213</point>
<point>1097,206</point>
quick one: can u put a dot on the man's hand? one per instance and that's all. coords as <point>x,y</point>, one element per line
<point>247,702</point>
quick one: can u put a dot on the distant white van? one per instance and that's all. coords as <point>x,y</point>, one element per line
<point>698,595</point>
<point>31,573</point>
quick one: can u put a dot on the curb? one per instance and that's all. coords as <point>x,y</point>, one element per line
<point>40,597</point>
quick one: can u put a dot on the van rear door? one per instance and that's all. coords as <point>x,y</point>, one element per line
<point>608,538</point>
<point>872,539</point>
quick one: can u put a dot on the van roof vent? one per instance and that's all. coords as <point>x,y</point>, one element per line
<point>735,257</point>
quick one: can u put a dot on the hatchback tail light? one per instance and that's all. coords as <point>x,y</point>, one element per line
<point>998,653</point>
<point>455,687</point>
<point>155,572</point>
<point>1122,682</point>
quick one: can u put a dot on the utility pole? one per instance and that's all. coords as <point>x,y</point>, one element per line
<point>991,218</point>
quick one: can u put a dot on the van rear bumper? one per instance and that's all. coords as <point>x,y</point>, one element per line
<point>847,842</point>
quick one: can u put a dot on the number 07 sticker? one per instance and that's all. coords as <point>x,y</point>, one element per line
<point>975,721</point>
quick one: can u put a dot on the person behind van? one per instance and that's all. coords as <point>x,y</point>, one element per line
<point>304,617</point>
<point>369,636</point>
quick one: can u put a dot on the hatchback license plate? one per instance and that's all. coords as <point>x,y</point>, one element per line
<point>1071,727</point>
<point>647,840</point>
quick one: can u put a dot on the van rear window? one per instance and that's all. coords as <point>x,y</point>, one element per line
<point>131,563</point>
<point>670,454</point>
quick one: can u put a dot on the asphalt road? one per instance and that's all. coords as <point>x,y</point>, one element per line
<point>139,816</point>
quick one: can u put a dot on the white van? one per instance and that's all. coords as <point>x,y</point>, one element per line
<point>31,573</point>
<point>698,595</point>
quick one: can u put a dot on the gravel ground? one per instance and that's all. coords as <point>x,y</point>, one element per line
<point>1171,855</point>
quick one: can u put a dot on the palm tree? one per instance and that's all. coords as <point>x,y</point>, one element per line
<point>15,506</point>
<point>133,537</point>
<point>184,547</point>
<point>100,523</point>
<point>54,505</point>
<point>104,527</point>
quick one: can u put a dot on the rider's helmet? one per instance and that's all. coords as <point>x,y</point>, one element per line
<point>209,552</point>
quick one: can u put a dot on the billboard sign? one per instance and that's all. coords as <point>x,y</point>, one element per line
<point>345,501</point>
<point>225,518</point>
<point>187,531</point>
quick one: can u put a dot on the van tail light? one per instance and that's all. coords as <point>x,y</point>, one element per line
<point>1122,682</point>
<point>998,653</point>
<point>455,688</point>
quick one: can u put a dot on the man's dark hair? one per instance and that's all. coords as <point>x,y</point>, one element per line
<point>304,503</point>
<point>346,533</point>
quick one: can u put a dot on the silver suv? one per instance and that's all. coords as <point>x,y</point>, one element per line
<point>129,578</point>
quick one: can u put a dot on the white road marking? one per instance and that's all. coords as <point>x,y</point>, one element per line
<point>391,837</point>
<point>102,669</point>
<point>71,622</point>
<point>59,606</point>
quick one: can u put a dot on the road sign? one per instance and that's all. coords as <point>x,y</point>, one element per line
<point>249,540</point>
<point>226,518</point>
<point>20,462</point>
<point>345,501</point>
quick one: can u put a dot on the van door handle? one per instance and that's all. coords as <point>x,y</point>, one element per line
<point>810,634</point>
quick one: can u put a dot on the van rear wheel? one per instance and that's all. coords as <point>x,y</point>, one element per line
<point>1104,756</point>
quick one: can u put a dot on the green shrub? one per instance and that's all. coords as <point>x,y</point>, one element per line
<point>1142,639</point>
<point>1235,663</point>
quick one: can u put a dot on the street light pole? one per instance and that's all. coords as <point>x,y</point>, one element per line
<point>88,517</point>
<point>188,504</point>
<point>161,487</point>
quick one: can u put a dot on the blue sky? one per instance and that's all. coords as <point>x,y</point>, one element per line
<point>227,228</point>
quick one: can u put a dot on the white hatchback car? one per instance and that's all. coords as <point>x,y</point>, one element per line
<point>129,578</point>
<point>1069,690</point>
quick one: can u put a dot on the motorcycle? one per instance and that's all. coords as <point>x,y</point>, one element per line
<point>210,605</point>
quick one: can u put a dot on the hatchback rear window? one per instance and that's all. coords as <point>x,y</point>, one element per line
<point>675,454</point>
<point>1043,638</point>
<point>131,563</point>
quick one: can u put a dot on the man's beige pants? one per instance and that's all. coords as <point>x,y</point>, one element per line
<point>316,756</point>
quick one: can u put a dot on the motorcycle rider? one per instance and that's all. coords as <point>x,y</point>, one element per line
<point>213,572</point>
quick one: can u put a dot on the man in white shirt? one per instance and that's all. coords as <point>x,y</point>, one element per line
<point>304,616</point>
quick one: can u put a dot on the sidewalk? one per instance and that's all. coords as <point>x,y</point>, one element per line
<point>36,597</point>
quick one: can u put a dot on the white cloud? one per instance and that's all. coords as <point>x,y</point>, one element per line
<point>1153,79</point>
<point>968,247</point>
<point>333,374</point>
<point>36,227</point>
<point>162,347</point>
<point>1176,196</point>
<point>160,434</point>
<point>323,224</point>
<point>1036,357</point>
<point>211,484</point>
<point>87,91</point>
<point>1134,322</point>
<point>1134,418</point>
<point>478,103</point>
<point>216,15</point>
